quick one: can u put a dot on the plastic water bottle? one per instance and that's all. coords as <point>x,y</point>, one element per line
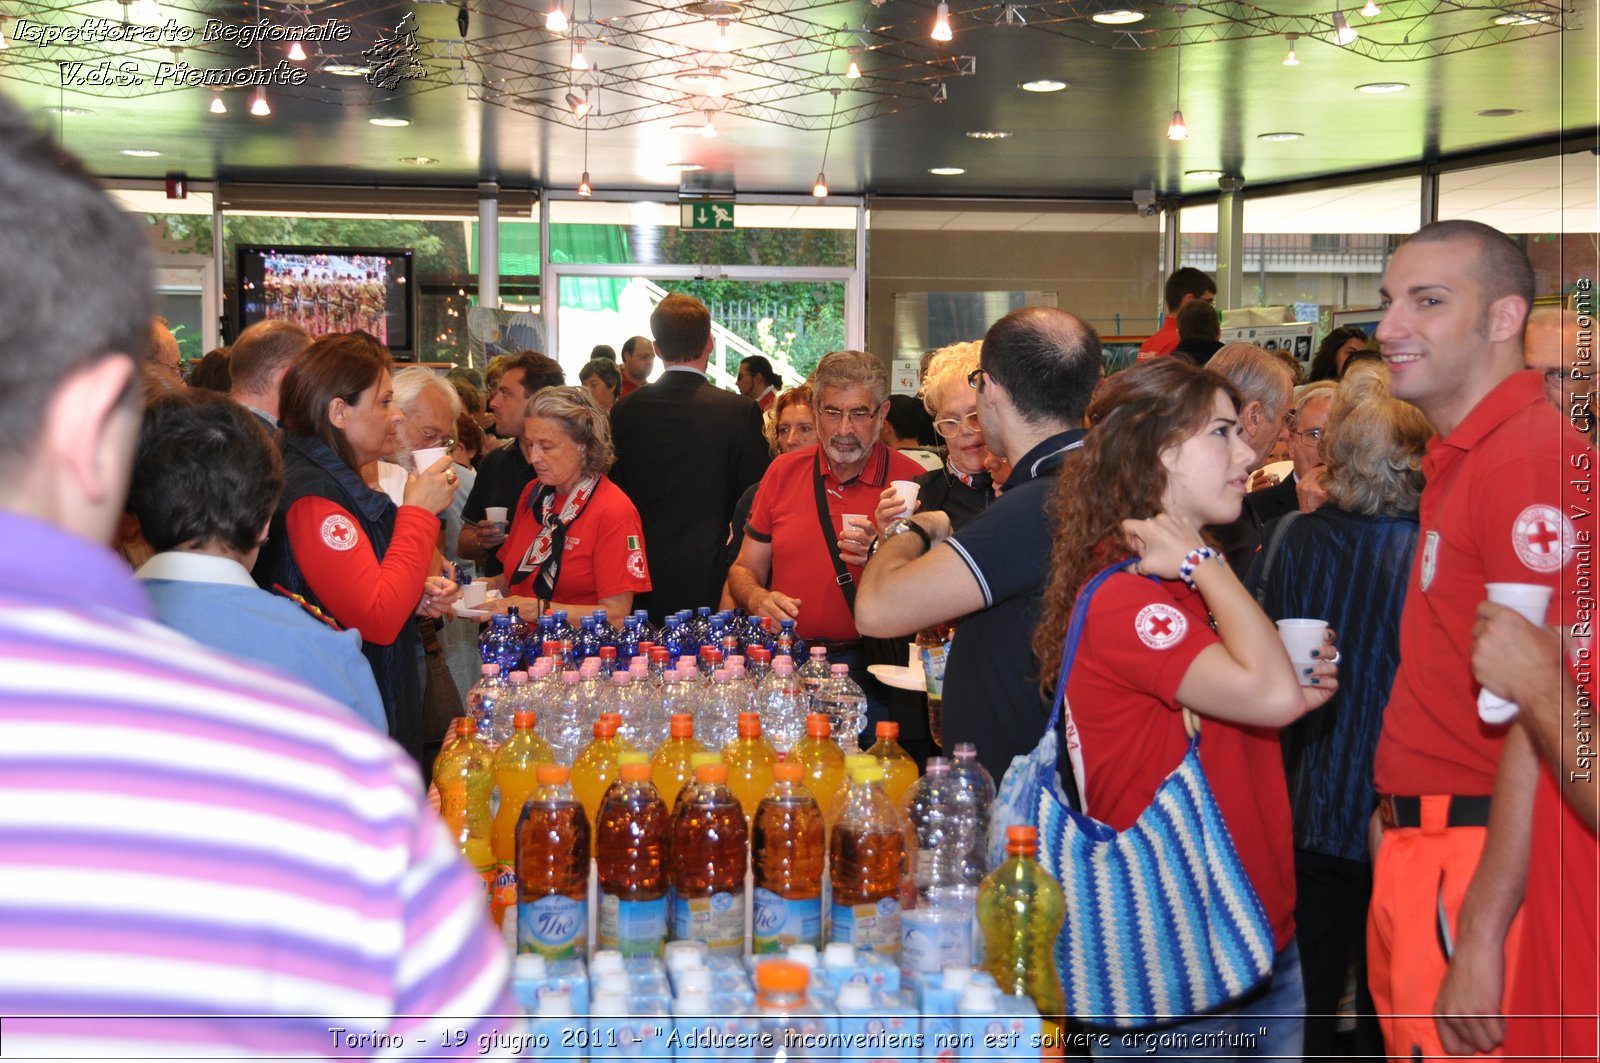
<point>497,644</point>
<point>629,847</point>
<point>783,705</point>
<point>588,641</point>
<point>603,629</point>
<point>845,705</point>
<point>785,1017</point>
<point>868,851</point>
<point>627,641</point>
<point>709,860</point>
<point>716,710</point>
<point>787,644</point>
<point>592,700</point>
<point>938,931</point>
<point>608,660</point>
<point>758,662</point>
<point>485,696</point>
<point>699,627</point>
<point>674,639</point>
<point>563,727</point>
<point>815,672</point>
<point>1021,909</point>
<point>552,869</point>
<point>977,798</point>
<point>644,722</point>
<point>786,852</point>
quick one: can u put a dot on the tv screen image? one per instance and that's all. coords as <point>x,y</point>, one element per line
<point>329,290</point>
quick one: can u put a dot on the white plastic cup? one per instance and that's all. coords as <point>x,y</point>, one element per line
<point>847,519</point>
<point>426,458</point>
<point>474,594</point>
<point>1531,600</point>
<point>1300,636</point>
<point>906,491</point>
<point>497,514</point>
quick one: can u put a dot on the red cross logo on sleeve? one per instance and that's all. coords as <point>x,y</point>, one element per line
<point>1543,538</point>
<point>1160,625</point>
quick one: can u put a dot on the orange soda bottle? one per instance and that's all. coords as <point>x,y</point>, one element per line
<point>595,769</point>
<point>868,857</point>
<point>709,860</point>
<point>899,770</point>
<point>820,759</point>
<point>466,784</point>
<point>553,869</point>
<point>786,850</point>
<point>669,768</point>
<point>629,847</point>
<point>515,769</point>
<point>456,726</point>
<point>749,758</point>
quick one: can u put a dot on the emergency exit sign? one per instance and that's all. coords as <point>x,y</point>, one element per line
<point>708,215</point>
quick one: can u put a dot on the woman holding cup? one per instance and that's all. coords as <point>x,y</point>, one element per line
<point>1164,458</point>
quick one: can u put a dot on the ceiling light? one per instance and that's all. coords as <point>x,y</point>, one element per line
<point>686,167</point>
<point>217,106</point>
<point>346,70</point>
<point>1370,10</point>
<point>1499,112</point>
<point>3,44</point>
<point>941,23</point>
<point>389,123</point>
<point>1044,85</point>
<point>988,134</point>
<point>583,185</point>
<point>141,153</point>
<point>555,20</point>
<point>579,105</point>
<point>708,130</point>
<point>1380,88</point>
<point>1274,137</point>
<point>1202,173</point>
<point>1343,33</point>
<point>947,171</point>
<point>258,104</point>
<point>853,71</point>
<point>418,160</point>
<point>297,53</point>
<point>722,44</point>
<point>580,61</point>
<point>1521,18</point>
<point>1291,59</point>
<point>1177,129</point>
<point>708,79</point>
<point>1119,16</point>
<point>820,188</point>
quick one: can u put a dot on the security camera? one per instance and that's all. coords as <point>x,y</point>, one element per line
<point>1144,200</point>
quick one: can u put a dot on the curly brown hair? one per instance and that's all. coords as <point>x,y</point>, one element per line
<point>1135,417</point>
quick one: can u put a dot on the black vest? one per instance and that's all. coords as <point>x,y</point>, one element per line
<point>312,468</point>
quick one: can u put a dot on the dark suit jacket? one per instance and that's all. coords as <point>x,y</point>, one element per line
<point>1274,501</point>
<point>686,451</point>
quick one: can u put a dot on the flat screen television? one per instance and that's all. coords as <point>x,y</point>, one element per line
<point>330,289</point>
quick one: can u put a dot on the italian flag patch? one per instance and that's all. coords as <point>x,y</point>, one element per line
<point>633,542</point>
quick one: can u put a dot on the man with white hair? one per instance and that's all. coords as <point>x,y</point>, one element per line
<point>1266,389</point>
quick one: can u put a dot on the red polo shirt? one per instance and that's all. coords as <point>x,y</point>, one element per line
<point>1165,338</point>
<point>601,555</point>
<point>628,386</point>
<point>1498,508</point>
<point>785,515</point>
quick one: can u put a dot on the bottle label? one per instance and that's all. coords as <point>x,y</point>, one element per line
<point>874,926</point>
<point>633,928</point>
<point>555,927</point>
<point>933,669</point>
<point>502,891</point>
<point>934,938</point>
<point>718,920</point>
<point>778,922</point>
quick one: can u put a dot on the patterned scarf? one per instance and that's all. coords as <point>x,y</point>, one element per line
<point>978,481</point>
<point>544,554</point>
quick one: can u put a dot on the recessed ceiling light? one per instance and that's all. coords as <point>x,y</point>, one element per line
<point>688,167</point>
<point>346,70</point>
<point>947,171</point>
<point>1521,18</point>
<point>1120,16</point>
<point>1280,136</point>
<point>1044,85</point>
<point>988,134</point>
<point>1202,173</point>
<point>1379,88</point>
<point>142,153</point>
<point>70,112</point>
<point>390,123</point>
<point>1499,112</point>
<point>418,160</point>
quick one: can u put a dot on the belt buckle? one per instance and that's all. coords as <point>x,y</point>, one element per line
<point>1386,811</point>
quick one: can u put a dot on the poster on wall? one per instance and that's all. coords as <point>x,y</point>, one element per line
<point>1294,338</point>
<point>907,376</point>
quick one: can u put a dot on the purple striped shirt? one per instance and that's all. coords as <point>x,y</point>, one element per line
<point>201,857</point>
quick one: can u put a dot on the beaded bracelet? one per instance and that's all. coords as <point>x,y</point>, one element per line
<point>1193,560</point>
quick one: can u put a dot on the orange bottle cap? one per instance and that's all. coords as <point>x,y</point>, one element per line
<point>749,725</point>
<point>788,771</point>
<point>888,729</point>
<point>614,717</point>
<point>782,976</point>
<point>711,773</point>
<point>682,725</point>
<point>817,725</point>
<point>605,728</point>
<point>523,720</point>
<point>1022,839</point>
<point>553,774</point>
<point>635,772</point>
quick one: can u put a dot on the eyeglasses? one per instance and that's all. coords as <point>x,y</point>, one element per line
<point>432,437</point>
<point>1554,378</point>
<point>860,413</point>
<point>175,367</point>
<point>950,427</point>
<point>1313,434</point>
<point>975,379</point>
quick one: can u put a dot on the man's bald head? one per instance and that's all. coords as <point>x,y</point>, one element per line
<point>1047,360</point>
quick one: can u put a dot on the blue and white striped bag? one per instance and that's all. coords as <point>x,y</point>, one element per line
<point>1162,920</point>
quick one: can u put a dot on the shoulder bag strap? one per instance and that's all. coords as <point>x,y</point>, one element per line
<point>841,574</point>
<point>1270,554</point>
<point>1069,649</point>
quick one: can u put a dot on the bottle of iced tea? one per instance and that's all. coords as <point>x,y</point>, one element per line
<point>708,861</point>
<point>629,843</point>
<point>553,869</point>
<point>869,852</point>
<point>786,849</point>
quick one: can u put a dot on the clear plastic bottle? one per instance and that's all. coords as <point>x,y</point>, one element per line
<point>835,808</point>
<point>845,704</point>
<point>669,768</point>
<point>899,770</point>
<point>596,767</point>
<point>1021,909</point>
<point>783,705</point>
<point>553,869</point>
<point>814,672</point>
<point>819,759</point>
<point>786,852</point>
<point>869,853</point>
<point>716,710</point>
<point>629,845</point>
<point>976,795</point>
<point>484,697</point>
<point>497,643</point>
<point>938,928</point>
<point>749,758</point>
<point>644,723</point>
<point>563,727</point>
<point>709,859</point>
<point>758,663</point>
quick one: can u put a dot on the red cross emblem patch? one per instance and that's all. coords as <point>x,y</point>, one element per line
<point>1160,625</point>
<point>339,533</point>
<point>1543,538</point>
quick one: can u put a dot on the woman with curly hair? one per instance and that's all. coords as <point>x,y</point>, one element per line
<point>1163,459</point>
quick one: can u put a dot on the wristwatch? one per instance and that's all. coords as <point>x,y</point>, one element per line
<point>901,525</point>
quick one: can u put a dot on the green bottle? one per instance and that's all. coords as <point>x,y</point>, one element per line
<point>1021,908</point>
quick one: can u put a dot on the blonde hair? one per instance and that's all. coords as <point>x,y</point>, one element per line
<point>1373,445</point>
<point>949,368</point>
<point>799,395</point>
<point>585,424</point>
